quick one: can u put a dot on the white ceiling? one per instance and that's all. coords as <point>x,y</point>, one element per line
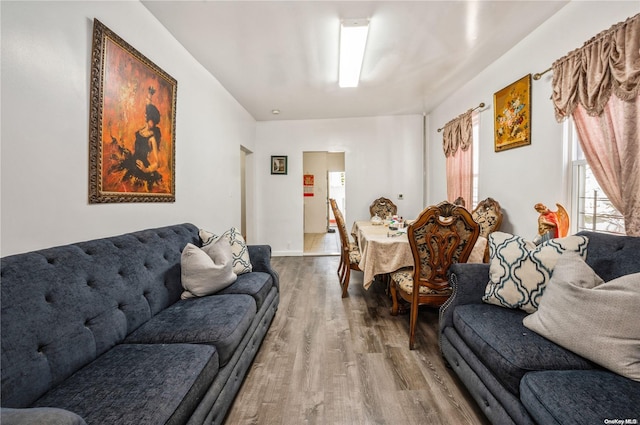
<point>284,54</point>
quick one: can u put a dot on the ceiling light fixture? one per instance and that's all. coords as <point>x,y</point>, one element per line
<point>353,39</point>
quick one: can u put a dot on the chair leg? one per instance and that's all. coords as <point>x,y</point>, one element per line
<point>343,273</point>
<point>413,321</point>
<point>345,284</point>
<point>394,298</point>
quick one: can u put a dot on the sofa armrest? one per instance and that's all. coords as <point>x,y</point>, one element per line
<point>260,256</point>
<point>40,416</point>
<point>468,281</point>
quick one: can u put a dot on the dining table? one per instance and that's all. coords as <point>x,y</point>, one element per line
<point>382,250</point>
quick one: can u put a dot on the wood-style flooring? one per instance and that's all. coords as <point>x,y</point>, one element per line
<point>327,243</point>
<point>329,360</point>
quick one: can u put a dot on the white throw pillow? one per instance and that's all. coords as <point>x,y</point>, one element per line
<point>204,273</point>
<point>241,260</point>
<point>595,319</point>
<point>519,270</point>
<point>477,253</point>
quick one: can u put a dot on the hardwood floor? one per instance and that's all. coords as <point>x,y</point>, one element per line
<point>329,360</point>
<point>322,243</point>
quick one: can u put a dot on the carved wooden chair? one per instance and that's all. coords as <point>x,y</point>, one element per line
<point>460,202</point>
<point>349,252</point>
<point>488,215</point>
<point>442,235</point>
<point>383,207</point>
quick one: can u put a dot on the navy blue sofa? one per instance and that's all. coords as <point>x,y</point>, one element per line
<point>519,377</point>
<point>96,333</point>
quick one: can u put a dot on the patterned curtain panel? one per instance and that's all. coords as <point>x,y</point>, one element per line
<point>607,64</point>
<point>583,82</point>
<point>457,141</point>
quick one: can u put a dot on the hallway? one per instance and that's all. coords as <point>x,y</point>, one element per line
<point>322,243</point>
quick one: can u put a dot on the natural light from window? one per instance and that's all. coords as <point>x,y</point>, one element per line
<point>591,210</point>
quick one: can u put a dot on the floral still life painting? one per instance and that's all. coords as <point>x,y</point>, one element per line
<point>512,108</point>
<point>132,124</point>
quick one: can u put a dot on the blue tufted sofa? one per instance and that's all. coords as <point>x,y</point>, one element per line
<point>96,333</point>
<point>517,376</point>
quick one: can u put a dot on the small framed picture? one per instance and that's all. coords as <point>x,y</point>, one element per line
<point>278,164</point>
<point>512,109</point>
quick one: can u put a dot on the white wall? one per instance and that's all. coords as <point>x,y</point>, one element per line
<point>383,157</point>
<point>46,50</point>
<point>521,177</point>
<point>46,47</point>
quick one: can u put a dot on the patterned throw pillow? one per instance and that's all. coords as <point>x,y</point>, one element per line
<point>519,270</point>
<point>241,260</point>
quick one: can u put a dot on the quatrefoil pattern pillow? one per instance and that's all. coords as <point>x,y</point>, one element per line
<point>519,270</point>
<point>241,260</point>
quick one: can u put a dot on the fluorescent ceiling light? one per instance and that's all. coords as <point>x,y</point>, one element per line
<point>353,39</point>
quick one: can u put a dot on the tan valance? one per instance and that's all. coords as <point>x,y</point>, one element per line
<point>608,63</point>
<point>457,133</point>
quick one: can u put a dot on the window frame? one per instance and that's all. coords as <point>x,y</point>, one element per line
<point>577,170</point>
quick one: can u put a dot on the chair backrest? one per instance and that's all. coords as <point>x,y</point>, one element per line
<point>488,215</point>
<point>342,228</point>
<point>442,235</point>
<point>460,202</point>
<point>383,207</point>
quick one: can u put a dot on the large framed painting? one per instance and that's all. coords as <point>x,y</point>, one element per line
<point>512,110</point>
<point>132,124</point>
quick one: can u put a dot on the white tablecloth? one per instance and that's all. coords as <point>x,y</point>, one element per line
<point>381,253</point>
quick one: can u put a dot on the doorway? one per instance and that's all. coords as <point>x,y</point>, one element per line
<point>324,177</point>
<point>246,190</point>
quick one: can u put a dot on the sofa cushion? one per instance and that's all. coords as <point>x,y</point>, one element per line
<point>612,256</point>
<point>497,336</point>
<point>580,397</point>
<point>241,260</point>
<point>519,270</point>
<point>256,284</point>
<point>39,416</point>
<point>220,320</point>
<point>64,306</point>
<point>578,303</point>
<point>138,384</point>
<point>205,273</point>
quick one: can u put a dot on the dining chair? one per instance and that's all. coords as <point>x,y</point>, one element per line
<point>442,235</point>
<point>349,252</point>
<point>383,207</point>
<point>488,214</point>
<point>460,202</point>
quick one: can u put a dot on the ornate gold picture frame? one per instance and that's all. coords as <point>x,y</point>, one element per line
<point>132,124</point>
<point>512,115</point>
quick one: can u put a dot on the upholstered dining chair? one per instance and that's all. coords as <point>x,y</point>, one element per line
<point>488,214</point>
<point>349,252</point>
<point>460,202</point>
<point>441,235</point>
<point>383,207</point>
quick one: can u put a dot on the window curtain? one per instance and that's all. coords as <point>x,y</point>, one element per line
<point>457,141</point>
<point>583,84</point>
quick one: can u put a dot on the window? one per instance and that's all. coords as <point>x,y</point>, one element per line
<point>591,210</point>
